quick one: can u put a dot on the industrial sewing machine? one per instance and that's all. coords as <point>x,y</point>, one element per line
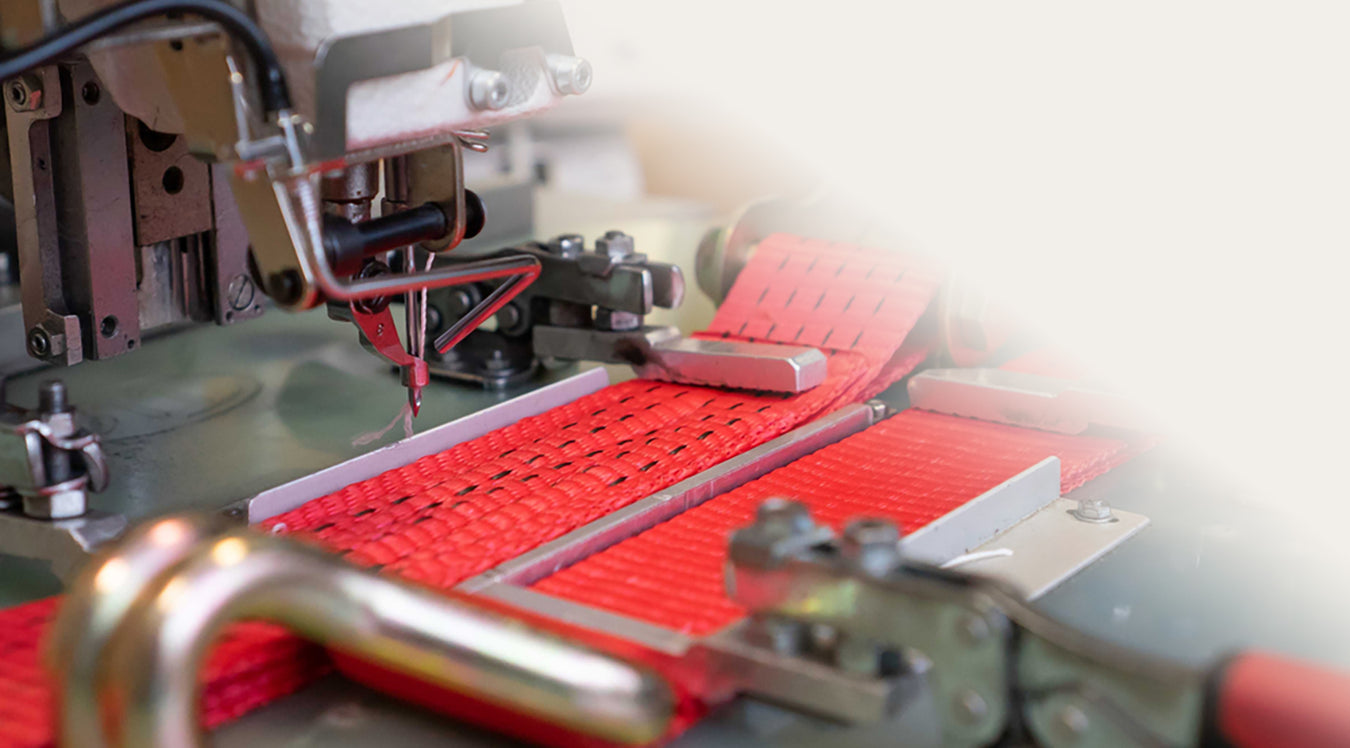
<point>174,163</point>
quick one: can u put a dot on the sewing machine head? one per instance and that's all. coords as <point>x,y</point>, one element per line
<point>185,163</point>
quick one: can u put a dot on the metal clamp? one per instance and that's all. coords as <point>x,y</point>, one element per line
<point>994,667</point>
<point>49,461</point>
<point>150,609</point>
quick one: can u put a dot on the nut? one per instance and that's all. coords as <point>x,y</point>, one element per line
<point>615,245</point>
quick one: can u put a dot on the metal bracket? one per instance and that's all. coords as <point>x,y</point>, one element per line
<point>1021,399</point>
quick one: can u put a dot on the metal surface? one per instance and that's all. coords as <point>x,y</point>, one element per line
<point>65,544</point>
<point>161,640</point>
<point>170,188</point>
<point>1051,546</point>
<point>285,497</point>
<point>645,513</point>
<point>605,346</point>
<point>985,516</point>
<point>736,364</point>
<point>478,35</point>
<point>1022,399</point>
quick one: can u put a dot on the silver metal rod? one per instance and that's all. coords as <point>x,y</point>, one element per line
<point>161,641</point>
<point>648,512</point>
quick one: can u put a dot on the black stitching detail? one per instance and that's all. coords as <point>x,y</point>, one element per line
<point>364,512</point>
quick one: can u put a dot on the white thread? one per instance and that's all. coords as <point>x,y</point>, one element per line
<point>404,415</point>
<point>967,558</point>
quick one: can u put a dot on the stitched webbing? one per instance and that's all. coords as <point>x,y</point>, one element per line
<point>454,514</point>
<point>911,468</point>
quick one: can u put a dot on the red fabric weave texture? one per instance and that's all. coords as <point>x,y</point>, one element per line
<point>454,514</point>
<point>911,468</point>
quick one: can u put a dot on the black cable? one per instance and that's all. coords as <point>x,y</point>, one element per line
<point>271,80</point>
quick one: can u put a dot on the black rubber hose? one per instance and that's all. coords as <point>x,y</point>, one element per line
<point>271,80</point>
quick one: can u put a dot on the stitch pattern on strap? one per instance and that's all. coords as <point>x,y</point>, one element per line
<point>460,512</point>
<point>911,468</point>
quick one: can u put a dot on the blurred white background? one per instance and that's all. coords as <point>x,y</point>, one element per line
<point>1159,187</point>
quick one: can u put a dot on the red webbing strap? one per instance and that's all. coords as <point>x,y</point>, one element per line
<point>465,510</point>
<point>911,468</point>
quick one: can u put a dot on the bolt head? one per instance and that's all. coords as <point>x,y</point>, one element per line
<point>615,245</point>
<point>572,76</point>
<point>783,518</point>
<point>872,545</point>
<point>57,505</point>
<point>240,292</point>
<point>1093,510</point>
<point>489,89</point>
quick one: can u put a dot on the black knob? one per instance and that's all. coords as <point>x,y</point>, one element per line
<point>476,214</point>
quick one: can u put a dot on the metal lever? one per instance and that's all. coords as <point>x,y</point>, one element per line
<point>149,610</point>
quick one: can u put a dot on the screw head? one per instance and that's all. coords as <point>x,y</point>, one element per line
<point>240,292</point>
<point>488,89</point>
<point>1073,721</point>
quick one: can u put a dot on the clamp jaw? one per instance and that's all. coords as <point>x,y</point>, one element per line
<point>850,615</point>
<point>591,305</point>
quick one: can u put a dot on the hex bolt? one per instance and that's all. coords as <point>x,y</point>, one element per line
<point>567,245</point>
<point>1093,509</point>
<point>571,75</point>
<point>488,89</point>
<point>782,518</point>
<point>879,409</point>
<point>872,545</point>
<point>615,245</point>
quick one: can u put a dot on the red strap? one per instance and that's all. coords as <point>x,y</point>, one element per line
<point>1266,701</point>
<point>912,469</point>
<point>460,512</point>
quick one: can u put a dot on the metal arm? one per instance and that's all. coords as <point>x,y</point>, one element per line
<point>158,643</point>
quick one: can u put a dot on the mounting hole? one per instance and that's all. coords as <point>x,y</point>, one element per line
<point>229,316</point>
<point>42,164</point>
<point>108,327</point>
<point>17,93</point>
<point>173,180</point>
<point>154,140</point>
<point>91,93</point>
<point>131,344</point>
<point>176,45</point>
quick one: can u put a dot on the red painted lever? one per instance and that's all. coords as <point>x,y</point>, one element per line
<point>1264,701</point>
